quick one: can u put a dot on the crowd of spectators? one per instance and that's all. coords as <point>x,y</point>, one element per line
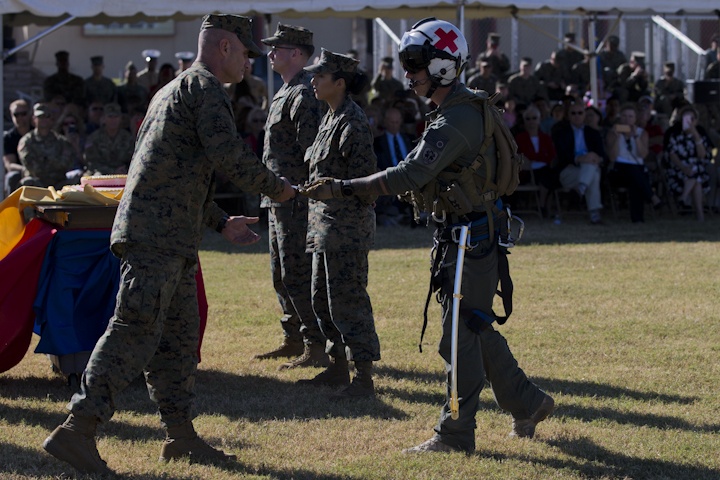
<point>642,138</point>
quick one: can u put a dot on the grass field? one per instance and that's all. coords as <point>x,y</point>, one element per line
<point>620,323</point>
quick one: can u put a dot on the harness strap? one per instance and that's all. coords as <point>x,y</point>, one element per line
<point>506,285</point>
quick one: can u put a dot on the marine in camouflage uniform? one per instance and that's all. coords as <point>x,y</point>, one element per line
<point>291,126</point>
<point>340,234</point>
<point>45,154</point>
<point>451,141</point>
<point>69,85</point>
<point>109,149</point>
<point>99,88</point>
<point>188,134</point>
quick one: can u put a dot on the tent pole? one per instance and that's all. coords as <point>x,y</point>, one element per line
<point>37,37</point>
<point>593,62</point>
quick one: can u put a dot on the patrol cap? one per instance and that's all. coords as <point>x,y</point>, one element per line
<point>62,55</point>
<point>237,24</point>
<point>614,40</point>
<point>151,54</point>
<point>637,55</point>
<point>333,62</point>
<point>112,109</point>
<point>291,35</point>
<point>41,110</point>
<point>570,36</point>
<point>96,60</point>
<point>494,38</point>
<point>387,61</point>
<point>669,65</point>
<point>185,56</point>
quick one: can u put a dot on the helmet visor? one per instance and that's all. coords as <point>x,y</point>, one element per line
<point>415,58</point>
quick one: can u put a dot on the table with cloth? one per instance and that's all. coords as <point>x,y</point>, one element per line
<point>59,282</point>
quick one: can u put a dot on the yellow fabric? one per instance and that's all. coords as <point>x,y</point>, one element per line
<point>12,222</point>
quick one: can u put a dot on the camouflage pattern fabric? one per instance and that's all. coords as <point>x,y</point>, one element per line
<point>291,267</point>
<point>105,155</point>
<point>340,234</point>
<point>524,90</point>
<point>45,159</point>
<point>290,129</point>
<point>341,302</point>
<point>155,329</point>
<point>291,35</point>
<point>331,62</point>
<point>188,133</point>
<point>291,126</point>
<point>102,90</point>
<point>343,148</point>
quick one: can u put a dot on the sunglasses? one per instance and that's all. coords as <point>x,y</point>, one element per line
<point>20,114</point>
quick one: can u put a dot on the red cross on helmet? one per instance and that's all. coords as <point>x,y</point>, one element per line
<point>435,45</point>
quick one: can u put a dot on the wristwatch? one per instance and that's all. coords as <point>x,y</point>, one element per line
<point>346,189</point>
<point>221,224</point>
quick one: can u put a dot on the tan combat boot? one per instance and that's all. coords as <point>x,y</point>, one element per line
<point>336,375</point>
<point>362,385</point>
<point>183,441</point>
<point>289,348</point>
<point>74,442</point>
<point>313,356</point>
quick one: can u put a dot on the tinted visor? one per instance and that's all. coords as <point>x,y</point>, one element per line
<point>415,58</point>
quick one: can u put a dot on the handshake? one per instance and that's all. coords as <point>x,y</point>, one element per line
<point>325,188</point>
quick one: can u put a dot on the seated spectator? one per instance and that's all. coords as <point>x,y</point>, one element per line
<point>46,155</point>
<point>627,148</point>
<point>667,89</point>
<point>524,86</point>
<point>649,122</point>
<point>92,117</point>
<point>108,151</point>
<point>484,79</point>
<point>580,153</point>
<point>539,151</point>
<point>688,153</point>
<point>22,124</point>
<point>391,147</point>
<point>71,126</point>
<point>254,130</point>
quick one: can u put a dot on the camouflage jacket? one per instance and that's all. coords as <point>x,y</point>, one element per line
<point>46,158</point>
<point>343,149</point>
<point>188,133</point>
<point>291,126</point>
<point>107,156</point>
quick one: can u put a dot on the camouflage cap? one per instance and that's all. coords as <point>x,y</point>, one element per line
<point>41,110</point>
<point>291,35</point>
<point>237,24</point>
<point>96,60</point>
<point>333,62</point>
<point>112,109</point>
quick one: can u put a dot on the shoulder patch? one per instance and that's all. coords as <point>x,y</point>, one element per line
<point>434,143</point>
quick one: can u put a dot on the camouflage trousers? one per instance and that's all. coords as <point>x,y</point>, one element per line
<point>481,356</point>
<point>342,304</point>
<point>291,267</point>
<point>154,330</point>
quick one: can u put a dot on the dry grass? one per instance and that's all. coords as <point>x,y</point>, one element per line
<point>620,323</point>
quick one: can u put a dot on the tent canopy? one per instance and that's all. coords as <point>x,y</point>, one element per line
<point>23,12</point>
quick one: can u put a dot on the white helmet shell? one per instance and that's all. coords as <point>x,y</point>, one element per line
<point>435,45</point>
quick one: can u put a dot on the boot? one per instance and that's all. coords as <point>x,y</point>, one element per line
<point>362,385</point>
<point>336,375</point>
<point>289,348</point>
<point>74,442</point>
<point>525,428</point>
<point>313,356</point>
<point>183,441</point>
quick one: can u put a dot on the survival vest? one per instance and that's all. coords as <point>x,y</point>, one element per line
<point>494,172</point>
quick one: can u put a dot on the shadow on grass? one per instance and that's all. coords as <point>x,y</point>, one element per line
<point>594,389</point>
<point>593,461</point>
